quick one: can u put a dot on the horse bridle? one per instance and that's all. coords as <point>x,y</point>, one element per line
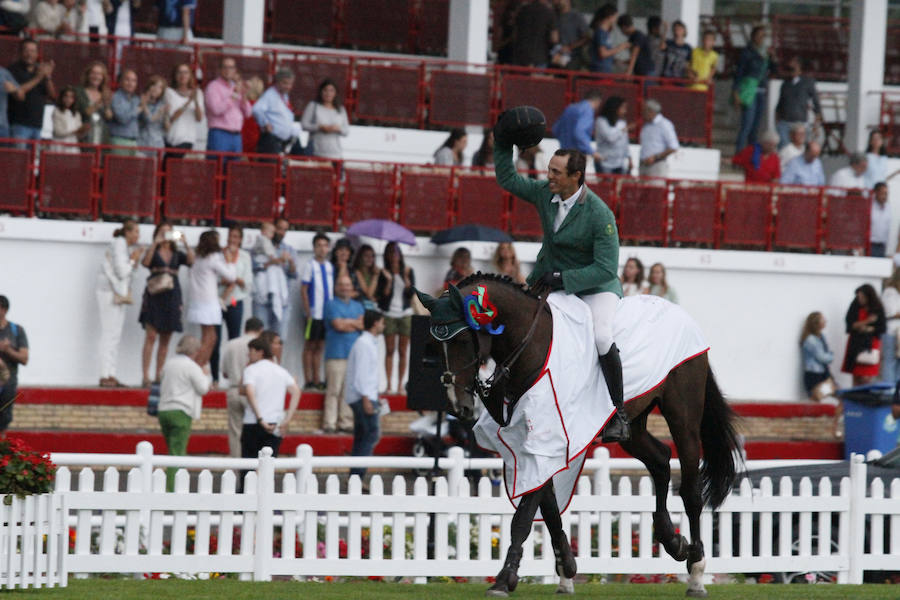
<point>482,389</point>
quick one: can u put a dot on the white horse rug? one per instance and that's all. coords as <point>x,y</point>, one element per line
<point>556,420</point>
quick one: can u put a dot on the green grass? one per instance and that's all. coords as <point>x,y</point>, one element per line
<point>229,589</point>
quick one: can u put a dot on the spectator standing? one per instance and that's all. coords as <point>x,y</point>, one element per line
<point>611,134</point>
<point>275,117</point>
<point>234,296</point>
<point>880,221</point>
<point>394,294</point>
<point>162,304</point>
<point>865,325</point>
<point>703,63</point>
<point>35,81</point>
<point>271,297</point>
<point>535,34</point>
<point>805,169</point>
<point>460,267</point>
<point>8,85</point>
<point>574,36</point>
<point>361,388</point>
<point>890,300</point>
<point>126,107</point>
<point>250,130</point>
<point>341,256</point>
<point>95,102</point>
<point>316,289</point>
<point>853,175</point>
<point>658,141</point>
<point>602,50</point>
<point>365,275</point>
<point>120,17</point>
<point>633,278</point>
<point>506,262</point>
<point>326,121</point>
<point>816,358</point>
<point>95,18</point>
<point>226,108</point>
<point>759,161</point>
<point>677,53</point>
<point>876,160</point>
<point>266,384</point>
<point>185,101</point>
<point>75,20</point>
<point>798,93</point>
<point>205,307</point>
<point>343,323</point>
<point>575,127</point>
<point>656,38</point>
<point>114,295</point>
<point>235,358</point>
<point>484,156</point>
<point>450,154</point>
<point>49,16</point>
<point>176,20</point>
<point>67,122</point>
<point>640,62</point>
<point>751,79</point>
<point>794,147</point>
<point>13,352</point>
<point>658,284</point>
<point>181,391</point>
<point>153,119</point>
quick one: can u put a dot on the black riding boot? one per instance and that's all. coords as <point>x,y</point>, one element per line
<point>617,429</point>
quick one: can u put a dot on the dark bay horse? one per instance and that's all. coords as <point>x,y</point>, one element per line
<point>689,399</point>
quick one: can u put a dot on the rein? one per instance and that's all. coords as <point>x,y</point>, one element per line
<point>501,372</point>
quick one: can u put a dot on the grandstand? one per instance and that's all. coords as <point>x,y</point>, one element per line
<point>749,260</point>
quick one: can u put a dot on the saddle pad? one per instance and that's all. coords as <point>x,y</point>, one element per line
<point>556,420</point>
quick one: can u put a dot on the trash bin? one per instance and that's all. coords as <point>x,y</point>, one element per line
<point>868,424</point>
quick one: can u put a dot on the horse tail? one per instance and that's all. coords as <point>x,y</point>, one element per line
<point>720,441</point>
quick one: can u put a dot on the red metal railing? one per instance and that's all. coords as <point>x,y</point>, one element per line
<point>413,92</point>
<point>48,179</point>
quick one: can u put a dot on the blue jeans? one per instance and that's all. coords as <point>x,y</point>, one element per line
<point>750,118</point>
<point>366,431</point>
<point>24,132</point>
<point>890,364</point>
<point>224,141</point>
<point>232,317</point>
<point>263,312</point>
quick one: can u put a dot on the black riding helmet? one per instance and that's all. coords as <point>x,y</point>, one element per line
<point>523,126</point>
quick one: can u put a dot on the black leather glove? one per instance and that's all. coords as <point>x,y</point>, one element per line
<point>551,280</point>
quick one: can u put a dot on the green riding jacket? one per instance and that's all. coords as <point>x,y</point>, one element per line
<point>586,247</point>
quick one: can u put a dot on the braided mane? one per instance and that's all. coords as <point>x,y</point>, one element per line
<point>504,279</point>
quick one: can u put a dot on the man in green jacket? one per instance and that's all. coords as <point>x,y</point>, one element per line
<point>580,254</point>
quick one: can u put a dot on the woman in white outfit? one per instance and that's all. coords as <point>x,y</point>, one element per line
<point>114,295</point>
<point>204,308</point>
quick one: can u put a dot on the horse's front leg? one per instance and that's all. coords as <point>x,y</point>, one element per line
<point>566,567</point>
<point>508,577</point>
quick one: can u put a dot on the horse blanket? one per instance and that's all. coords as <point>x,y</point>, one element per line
<point>556,420</point>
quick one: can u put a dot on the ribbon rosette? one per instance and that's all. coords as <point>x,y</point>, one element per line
<point>480,312</point>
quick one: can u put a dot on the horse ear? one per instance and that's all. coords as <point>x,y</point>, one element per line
<point>426,300</point>
<point>456,298</point>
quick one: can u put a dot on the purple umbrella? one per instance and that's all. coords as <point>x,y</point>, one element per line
<point>382,229</point>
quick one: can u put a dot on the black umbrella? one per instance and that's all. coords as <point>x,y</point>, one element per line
<point>470,233</point>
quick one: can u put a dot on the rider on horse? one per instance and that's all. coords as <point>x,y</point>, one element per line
<point>580,250</point>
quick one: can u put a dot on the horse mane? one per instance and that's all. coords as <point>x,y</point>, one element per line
<point>504,279</point>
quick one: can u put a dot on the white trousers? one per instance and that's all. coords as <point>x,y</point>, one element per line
<point>112,318</point>
<point>603,308</point>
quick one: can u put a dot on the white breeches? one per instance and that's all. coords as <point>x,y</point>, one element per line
<point>603,308</point>
<point>112,318</point>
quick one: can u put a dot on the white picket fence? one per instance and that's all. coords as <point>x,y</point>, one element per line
<point>775,528</point>
<point>33,541</point>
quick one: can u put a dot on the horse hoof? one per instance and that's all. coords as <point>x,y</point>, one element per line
<point>566,586</point>
<point>566,566</point>
<point>492,593</point>
<point>696,593</point>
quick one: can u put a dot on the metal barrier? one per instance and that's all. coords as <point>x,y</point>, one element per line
<point>50,178</point>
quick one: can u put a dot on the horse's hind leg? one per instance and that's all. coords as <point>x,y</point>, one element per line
<point>655,455</point>
<point>566,567</point>
<point>508,577</point>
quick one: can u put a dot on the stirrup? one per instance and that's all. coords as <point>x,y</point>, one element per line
<point>617,429</point>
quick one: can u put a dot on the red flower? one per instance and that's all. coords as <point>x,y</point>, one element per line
<point>765,578</point>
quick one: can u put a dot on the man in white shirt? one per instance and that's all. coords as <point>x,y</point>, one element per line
<point>235,359</point>
<point>852,176</point>
<point>880,225</point>
<point>316,289</point>
<point>265,384</point>
<point>361,387</point>
<point>794,147</point>
<point>805,169</point>
<point>658,141</point>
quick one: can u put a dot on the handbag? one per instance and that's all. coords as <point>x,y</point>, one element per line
<point>747,86</point>
<point>162,282</point>
<point>869,357</point>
